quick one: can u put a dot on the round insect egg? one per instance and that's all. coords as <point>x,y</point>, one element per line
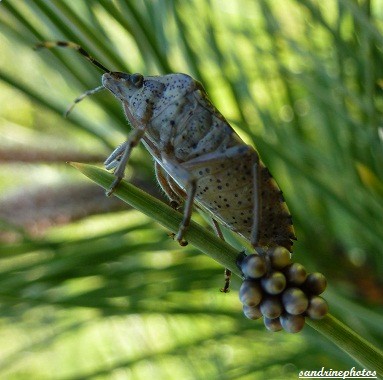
<point>295,273</point>
<point>271,307</point>
<point>315,283</point>
<point>318,307</point>
<point>280,257</point>
<point>294,301</point>
<point>292,323</point>
<point>253,266</point>
<point>250,293</point>
<point>274,283</point>
<point>272,324</point>
<point>252,312</point>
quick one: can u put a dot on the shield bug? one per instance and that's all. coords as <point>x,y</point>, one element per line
<point>199,159</point>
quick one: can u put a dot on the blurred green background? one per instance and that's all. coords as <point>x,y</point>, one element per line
<point>92,289</point>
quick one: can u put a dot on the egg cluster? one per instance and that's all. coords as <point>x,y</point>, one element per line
<point>280,291</point>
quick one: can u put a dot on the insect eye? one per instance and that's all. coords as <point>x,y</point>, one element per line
<point>137,80</point>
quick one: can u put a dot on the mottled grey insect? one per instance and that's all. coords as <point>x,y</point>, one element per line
<point>199,159</point>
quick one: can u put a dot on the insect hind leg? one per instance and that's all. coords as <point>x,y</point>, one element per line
<point>188,210</point>
<point>227,273</point>
<point>257,207</point>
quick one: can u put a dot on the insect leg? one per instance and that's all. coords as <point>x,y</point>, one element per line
<point>256,204</point>
<point>232,153</point>
<point>164,181</point>
<point>176,189</point>
<point>182,172</point>
<point>119,158</point>
<point>257,211</point>
<point>112,161</point>
<point>190,188</point>
<point>218,231</point>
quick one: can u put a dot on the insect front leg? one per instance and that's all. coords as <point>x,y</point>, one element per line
<point>119,158</point>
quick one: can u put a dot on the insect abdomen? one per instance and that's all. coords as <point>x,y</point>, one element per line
<point>226,191</point>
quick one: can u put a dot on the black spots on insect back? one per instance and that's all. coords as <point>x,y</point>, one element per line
<point>168,90</point>
<point>202,190</point>
<point>207,133</point>
<point>190,130</point>
<point>230,199</point>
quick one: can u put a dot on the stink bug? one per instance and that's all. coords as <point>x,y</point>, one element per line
<point>199,159</point>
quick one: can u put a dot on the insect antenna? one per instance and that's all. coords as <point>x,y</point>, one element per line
<point>72,45</point>
<point>84,53</point>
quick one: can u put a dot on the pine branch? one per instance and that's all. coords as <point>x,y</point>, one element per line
<point>346,339</point>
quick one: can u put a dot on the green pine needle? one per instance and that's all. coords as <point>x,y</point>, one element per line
<point>341,335</point>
